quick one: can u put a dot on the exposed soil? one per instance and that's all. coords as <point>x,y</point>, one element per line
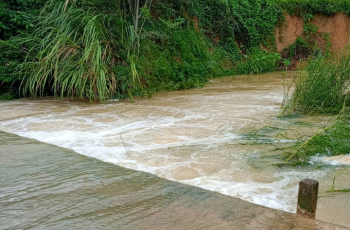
<point>337,26</point>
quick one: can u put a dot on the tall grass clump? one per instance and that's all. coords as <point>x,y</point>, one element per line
<point>75,55</point>
<point>322,88</point>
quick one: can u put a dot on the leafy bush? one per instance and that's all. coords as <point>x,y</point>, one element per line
<point>299,48</point>
<point>183,61</point>
<point>259,62</point>
<point>256,19</point>
<point>17,16</point>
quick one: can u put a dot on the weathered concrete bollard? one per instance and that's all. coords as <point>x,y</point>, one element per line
<point>307,198</point>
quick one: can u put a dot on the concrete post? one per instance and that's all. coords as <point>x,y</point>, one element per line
<point>307,198</point>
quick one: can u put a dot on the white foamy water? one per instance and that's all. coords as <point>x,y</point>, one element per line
<point>186,136</point>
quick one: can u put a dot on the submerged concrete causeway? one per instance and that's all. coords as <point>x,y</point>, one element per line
<point>47,187</point>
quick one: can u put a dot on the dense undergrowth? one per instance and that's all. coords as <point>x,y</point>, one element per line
<point>101,50</point>
<point>122,48</point>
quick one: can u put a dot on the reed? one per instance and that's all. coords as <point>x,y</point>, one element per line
<point>75,55</point>
<point>322,88</point>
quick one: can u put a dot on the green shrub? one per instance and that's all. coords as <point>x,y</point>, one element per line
<point>259,62</point>
<point>17,16</point>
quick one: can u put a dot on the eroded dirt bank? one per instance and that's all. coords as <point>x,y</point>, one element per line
<point>337,26</point>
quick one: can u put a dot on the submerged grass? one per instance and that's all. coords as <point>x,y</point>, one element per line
<point>332,140</point>
<point>333,184</point>
<point>264,135</point>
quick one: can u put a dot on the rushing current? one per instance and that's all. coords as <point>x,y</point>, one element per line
<point>47,187</point>
<point>186,136</point>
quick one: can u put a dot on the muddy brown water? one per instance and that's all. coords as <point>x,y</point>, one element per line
<point>189,137</point>
<point>47,187</point>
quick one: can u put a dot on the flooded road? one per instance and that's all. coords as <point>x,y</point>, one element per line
<point>46,187</point>
<point>186,136</point>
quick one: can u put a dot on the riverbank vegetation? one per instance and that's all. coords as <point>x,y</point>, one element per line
<point>318,95</point>
<point>99,50</point>
<point>122,48</point>
<point>322,89</point>
<point>105,49</point>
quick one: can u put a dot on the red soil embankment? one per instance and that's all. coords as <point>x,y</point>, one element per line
<point>337,26</point>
